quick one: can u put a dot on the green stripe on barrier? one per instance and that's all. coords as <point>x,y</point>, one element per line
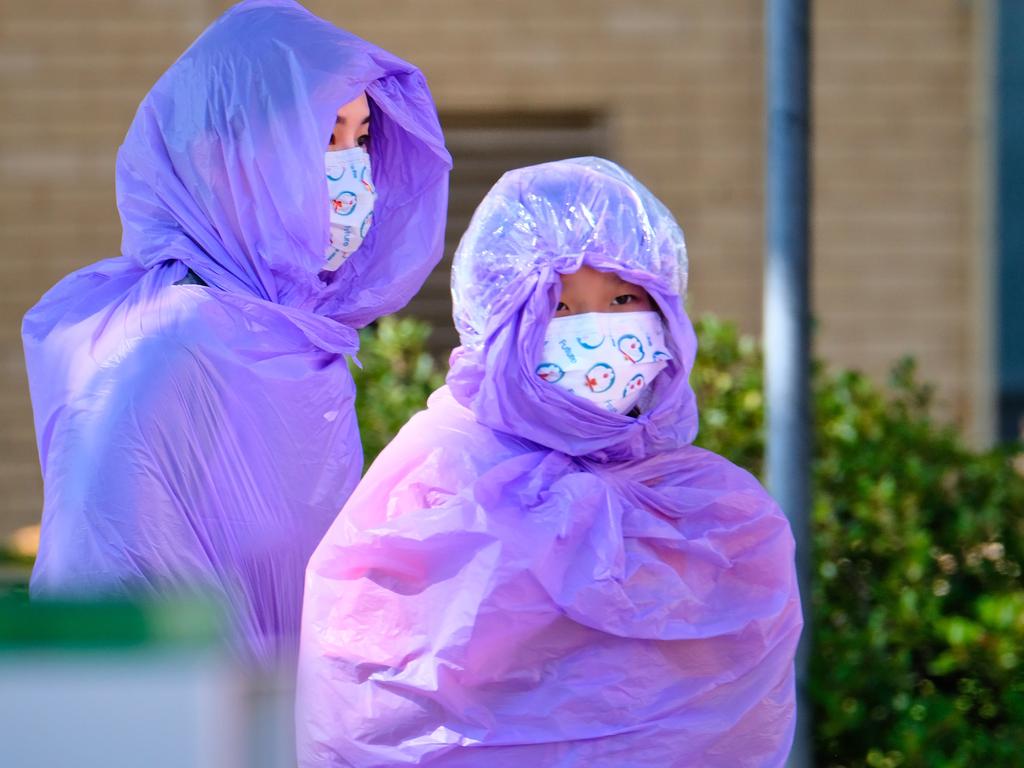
<point>107,623</point>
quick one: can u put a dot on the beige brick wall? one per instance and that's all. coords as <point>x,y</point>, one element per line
<point>895,145</point>
<point>681,84</point>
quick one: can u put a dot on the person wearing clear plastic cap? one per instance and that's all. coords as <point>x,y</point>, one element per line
<point>541,568</point>
<point>283,184</point>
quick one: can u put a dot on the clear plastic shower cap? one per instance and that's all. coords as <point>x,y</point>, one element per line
<point>557,215</point>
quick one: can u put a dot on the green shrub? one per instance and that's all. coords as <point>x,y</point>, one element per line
<point>918,541</point>
<point>918,640</point>
<point>396,377</point>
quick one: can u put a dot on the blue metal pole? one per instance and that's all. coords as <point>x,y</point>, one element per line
<point>787,304</point>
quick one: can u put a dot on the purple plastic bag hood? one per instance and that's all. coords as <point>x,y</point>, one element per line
<point>193,435</point>
<point>523,579</point>
<point>538,222</point>
<point>222,168</point>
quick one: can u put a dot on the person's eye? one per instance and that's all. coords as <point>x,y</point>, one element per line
<point>562,307</point>
<point>626,298</point>
<point>364,140</point>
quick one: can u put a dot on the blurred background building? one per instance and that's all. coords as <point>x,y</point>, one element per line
<point>918,125</point>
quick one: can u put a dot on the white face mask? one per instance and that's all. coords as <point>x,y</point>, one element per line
<point>352,195</point>
<point>608,358</point>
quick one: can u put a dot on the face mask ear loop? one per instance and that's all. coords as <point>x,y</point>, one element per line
<point>606,358</point>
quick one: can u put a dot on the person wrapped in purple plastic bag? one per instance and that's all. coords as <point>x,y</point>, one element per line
<point>193,405</point>
<point>542,569</point>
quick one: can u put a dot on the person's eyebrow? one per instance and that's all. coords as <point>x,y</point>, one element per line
<point>339,120</point>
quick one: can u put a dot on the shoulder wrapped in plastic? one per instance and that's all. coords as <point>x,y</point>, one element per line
<point>204,437</point>
<point>524,579</point>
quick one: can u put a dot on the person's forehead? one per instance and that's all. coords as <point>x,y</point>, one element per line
<point>586,274</point>
<point>358,108</point>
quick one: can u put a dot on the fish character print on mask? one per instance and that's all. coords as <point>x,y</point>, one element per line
<point>600,378</point>
<point>635,384</point>
<point>608,358</point>
<point>550,372</point>
<point>631,347</point>
<point>352,196</point>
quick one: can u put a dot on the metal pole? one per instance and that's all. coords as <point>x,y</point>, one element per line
<point>787,305</point>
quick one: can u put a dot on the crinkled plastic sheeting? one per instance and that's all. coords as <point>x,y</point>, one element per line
<point>523,578</point>
<point>195,436</point>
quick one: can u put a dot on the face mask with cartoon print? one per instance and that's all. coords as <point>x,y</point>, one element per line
<point>608,358</point>
<point>352,196</point>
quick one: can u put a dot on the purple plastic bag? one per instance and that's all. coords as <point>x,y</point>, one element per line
<point>522,578</point>
<point>205,437</point>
